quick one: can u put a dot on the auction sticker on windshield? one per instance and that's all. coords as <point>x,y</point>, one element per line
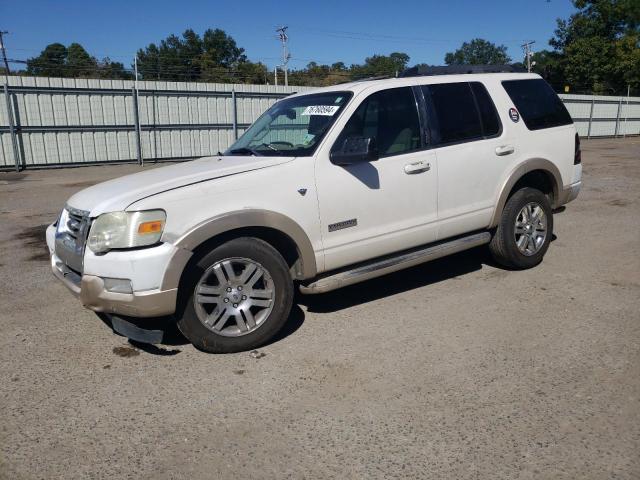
<point>327,110</point>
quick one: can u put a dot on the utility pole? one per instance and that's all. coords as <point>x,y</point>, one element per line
<point>7,96</point>
<point>528,53</point>
<point>284,38</point>
<point>4,53</point>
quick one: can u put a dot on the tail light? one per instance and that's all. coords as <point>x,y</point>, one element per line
<point>577,156</point>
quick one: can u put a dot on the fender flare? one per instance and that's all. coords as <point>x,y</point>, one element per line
<point>229,221</point>
<point>517,173</point>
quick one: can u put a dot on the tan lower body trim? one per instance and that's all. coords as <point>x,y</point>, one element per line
<point>91,292</point>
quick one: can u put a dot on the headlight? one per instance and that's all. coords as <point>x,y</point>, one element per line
<point>126,230</point>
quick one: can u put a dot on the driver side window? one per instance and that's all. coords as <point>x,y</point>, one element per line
<point>390,117</point>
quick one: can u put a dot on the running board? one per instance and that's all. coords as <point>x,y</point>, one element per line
<point>401,261</point>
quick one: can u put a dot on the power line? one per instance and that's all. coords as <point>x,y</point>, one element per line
<point>385,37</point>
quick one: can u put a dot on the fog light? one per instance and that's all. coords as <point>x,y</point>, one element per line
<point>118,285</point>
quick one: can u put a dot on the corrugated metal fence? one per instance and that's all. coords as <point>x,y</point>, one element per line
<point>47,122</point>
<point>601,116</point>
<point>55,121</point>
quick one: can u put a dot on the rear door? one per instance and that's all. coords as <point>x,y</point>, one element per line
<point>466,134</point>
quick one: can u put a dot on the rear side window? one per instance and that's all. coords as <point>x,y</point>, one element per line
<point>461,112</point>
<point>456,116</point>
<point>538,104</point>
<point>490,121</point>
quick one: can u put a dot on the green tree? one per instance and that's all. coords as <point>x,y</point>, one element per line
<point>79,63</point>
<point>212,57</point>
<point>223,48</point>
<point>113,70</point>
<point>50,62</point>
<point>381,65</point>
<point>74,61</point>
<point>313,75</point>
<point>478,52</point>
<point>250,72</point>
<point>547,64</point>
<point>318,75</point>
<point>598,46</point>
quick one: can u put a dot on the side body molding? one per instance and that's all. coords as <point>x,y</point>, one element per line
<point>517,173</point>
<point>226,222</point>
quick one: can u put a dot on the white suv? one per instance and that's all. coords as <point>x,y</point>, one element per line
<point>324,190</point>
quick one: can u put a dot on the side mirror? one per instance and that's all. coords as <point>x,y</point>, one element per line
<point>355,150</point>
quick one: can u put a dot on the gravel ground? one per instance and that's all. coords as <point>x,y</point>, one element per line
<point>454,369</point>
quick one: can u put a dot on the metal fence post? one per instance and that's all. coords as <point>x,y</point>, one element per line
<point>618,118</point>
<point>12,128</point>
<point>153,123</point>
<point>593,101</point>
<point>136,120</point>
<point>626,113</point>
<point>235,114</point>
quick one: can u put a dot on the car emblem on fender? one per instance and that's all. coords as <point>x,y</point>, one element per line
<point>514,115</point>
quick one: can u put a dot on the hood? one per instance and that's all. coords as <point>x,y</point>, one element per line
<point>119,193</point>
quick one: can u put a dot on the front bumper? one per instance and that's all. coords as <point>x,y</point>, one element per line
<point>91,291</point>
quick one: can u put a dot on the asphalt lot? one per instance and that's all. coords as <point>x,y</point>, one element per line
<point>454,369</point>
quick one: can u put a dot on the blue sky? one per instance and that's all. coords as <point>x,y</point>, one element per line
<point>325,31</point>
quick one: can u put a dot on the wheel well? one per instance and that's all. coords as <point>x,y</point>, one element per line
<point>538,179</point>
<point>277,239</point>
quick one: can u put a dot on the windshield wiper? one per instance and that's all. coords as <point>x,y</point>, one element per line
<point>252,151</point>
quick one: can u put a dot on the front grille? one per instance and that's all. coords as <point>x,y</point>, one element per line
<point>71,237</point>
<point>74,223</point>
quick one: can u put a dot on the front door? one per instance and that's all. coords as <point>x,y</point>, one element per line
<point>375,208</point>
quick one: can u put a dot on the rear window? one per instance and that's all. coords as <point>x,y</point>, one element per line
<point>538,104</point>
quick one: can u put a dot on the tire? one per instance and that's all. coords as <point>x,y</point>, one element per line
<point>515,230</point>
<point>229,313</point>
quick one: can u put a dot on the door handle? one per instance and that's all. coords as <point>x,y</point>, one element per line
<point>418,167</point>
<point>504,150</point>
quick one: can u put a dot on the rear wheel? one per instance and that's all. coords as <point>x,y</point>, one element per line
<point>239,296</point>
<point>525,229</point>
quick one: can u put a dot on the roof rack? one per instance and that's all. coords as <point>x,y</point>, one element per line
<point>460,69</point>
<point>365,79</point>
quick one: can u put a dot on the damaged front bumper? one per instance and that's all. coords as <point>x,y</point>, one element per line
<point>94,295</point>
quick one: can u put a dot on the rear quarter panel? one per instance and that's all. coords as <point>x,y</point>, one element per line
<point>556,144</point>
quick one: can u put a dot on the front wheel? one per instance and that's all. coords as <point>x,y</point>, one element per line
<point>525,230</point>
<point>239,296</point>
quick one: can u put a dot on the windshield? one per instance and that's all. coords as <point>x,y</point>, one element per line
<point>292,127</point>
